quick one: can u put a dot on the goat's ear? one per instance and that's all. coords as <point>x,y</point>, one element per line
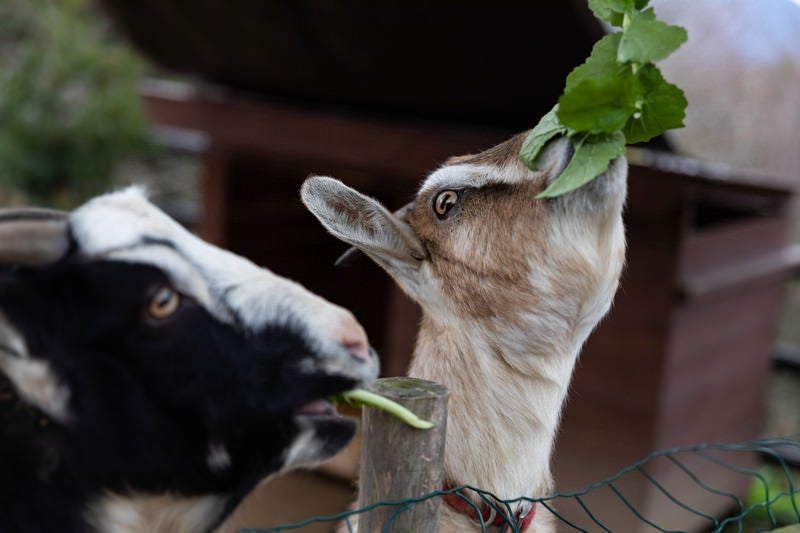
<point>362,221</point>
<point>32,236</point>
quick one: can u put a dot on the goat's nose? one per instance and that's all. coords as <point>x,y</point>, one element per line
<point>353,337</point>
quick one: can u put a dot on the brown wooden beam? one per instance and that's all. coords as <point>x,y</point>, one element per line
<point>393,147</point>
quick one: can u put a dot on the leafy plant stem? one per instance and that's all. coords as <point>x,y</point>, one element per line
<point>616,97</point>
<point>361,397</point>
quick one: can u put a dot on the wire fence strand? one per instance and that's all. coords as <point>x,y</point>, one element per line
<point>779,505</point>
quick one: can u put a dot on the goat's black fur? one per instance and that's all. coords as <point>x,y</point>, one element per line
<point>147,398</point>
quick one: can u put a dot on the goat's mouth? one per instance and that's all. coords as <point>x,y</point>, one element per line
<point>611,184</point>
<point>331,377</point>
<point>313,429</point>
<point>328,431</point>
<point>318,408</point>
<point>323,413</point>
<point>316,414</point>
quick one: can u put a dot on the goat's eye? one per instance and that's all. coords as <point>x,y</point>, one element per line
<point>443,202</point>
<point>163,303</point>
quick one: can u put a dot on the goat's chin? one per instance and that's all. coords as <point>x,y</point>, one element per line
<point>322,435</point>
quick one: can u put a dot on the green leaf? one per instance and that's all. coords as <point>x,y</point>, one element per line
<point>611,11</point>
<point>593,153</point>
<point>647,39</point>
<point>601,63</point>
<point>663,107</point>
<point>547,128</point>
<point>616,96</point>
<point>599,105</point>
<point>620,6</point>
<point>598,87</point>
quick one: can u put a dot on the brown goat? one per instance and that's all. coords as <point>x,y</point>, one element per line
<point>510,287</point>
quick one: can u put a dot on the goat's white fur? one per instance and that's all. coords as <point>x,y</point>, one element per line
<point>218,458</point>
<point>33,378</point>
<point>168,513</point>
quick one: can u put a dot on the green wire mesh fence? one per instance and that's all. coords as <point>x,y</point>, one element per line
<point>773,497</point>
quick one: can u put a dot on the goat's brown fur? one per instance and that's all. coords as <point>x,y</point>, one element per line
<point>510,287</point>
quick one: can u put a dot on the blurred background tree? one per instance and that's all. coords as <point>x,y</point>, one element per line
<point>69,107</point>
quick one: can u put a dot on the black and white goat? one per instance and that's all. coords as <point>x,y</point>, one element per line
<point>149,380</point>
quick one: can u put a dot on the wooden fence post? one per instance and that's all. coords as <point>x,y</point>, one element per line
<point>399,462</point>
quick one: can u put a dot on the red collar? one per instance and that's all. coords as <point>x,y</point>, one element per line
<point>488,515</point>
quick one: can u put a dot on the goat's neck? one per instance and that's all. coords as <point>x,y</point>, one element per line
<point>507,390</point>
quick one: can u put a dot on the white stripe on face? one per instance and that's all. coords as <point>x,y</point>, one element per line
<point>510,170</point>
<point>33,379</point>
<point>458,177</point>
<point>125,226</point>
<point>464,176</point>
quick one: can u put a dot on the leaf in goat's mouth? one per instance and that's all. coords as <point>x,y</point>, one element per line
<point>616,97</point>
<point>361,397</point>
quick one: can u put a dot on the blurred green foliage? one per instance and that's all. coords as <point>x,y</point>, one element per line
<point>774,497</point>
<point>69,109</point>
